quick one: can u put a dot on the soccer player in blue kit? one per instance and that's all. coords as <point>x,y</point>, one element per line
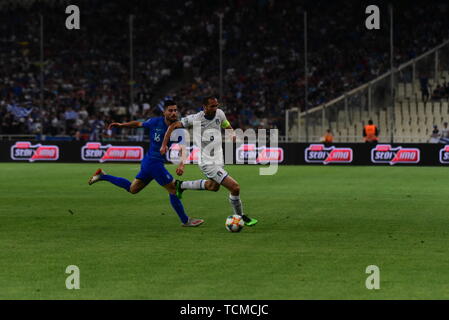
<point>152,166</point>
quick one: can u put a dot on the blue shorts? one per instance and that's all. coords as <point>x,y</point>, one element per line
<point>152,169</point>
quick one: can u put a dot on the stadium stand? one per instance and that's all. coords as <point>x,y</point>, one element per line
<point>176,54</point>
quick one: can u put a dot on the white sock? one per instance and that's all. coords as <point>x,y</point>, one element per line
<point>236,204</point>
<point>194,185</point>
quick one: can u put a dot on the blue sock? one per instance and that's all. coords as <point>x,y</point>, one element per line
<point>119,182</point>
<point>179,208</point>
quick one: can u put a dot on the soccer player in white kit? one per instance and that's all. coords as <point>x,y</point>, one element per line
<point>212,120</point>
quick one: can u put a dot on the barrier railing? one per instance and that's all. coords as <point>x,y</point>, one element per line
<point>347,114</point>
<point>16,137</point>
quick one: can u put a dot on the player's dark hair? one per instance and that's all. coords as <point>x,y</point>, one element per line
<point>169,103</point>
<point>207,98</point>
<point>370,121</point>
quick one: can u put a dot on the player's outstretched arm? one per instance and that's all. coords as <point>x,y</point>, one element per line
<point>131,124</point>
<point>171,128</point>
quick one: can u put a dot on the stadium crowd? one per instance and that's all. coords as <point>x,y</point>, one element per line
<point>176,53</point>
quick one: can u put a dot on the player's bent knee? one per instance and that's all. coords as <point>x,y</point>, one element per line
<point>136,186</point>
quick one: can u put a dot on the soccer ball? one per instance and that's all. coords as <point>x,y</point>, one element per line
<point>234,223</point>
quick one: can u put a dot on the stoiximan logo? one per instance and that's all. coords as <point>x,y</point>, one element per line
<point>444,155</point>
<point>259,155</point>
<point>318,153</point>
<point>24,150</point>
<point>94,151</point>
<point>385,153</point>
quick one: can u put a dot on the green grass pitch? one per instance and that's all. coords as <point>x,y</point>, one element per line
<point>319,228</point>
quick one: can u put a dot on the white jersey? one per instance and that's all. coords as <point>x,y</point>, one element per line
<point>207,135</point>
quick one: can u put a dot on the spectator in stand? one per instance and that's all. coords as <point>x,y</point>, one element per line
<point>140,132</point>
<point>445,133</point>
<point>435,136</point>
<point>371,133</point>
<point>97,126</point>
<point>438,93</point>
<point>441,92</point>
<point>328,137</point>
<point>70,117</point>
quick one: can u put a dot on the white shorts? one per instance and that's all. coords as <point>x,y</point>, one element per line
<point>214,172</point>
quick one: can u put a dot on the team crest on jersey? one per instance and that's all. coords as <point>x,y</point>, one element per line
<point>95,151</point>
<point>385,153</point>
<point>319,153</point>
<point>444,155</point>
<point>38,152</point>
<point>259,155</point>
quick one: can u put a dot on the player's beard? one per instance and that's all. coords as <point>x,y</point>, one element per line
<point>171,121</point>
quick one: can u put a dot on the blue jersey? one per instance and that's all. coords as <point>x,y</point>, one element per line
<point>157,128</point>
<point>152,166</point>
